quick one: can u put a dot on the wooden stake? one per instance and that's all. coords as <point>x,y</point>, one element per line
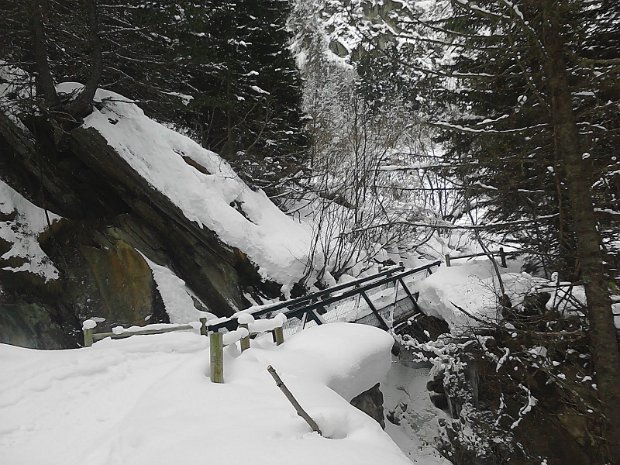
<point>88,337</point>
<point>203,326</point>
<point>217,357</point>
<point>447,260</point>
<point>300,411</point>
<point>278,335</point>
<point>245,341</point>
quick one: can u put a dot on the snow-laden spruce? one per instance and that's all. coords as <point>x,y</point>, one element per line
<point>220,200</point>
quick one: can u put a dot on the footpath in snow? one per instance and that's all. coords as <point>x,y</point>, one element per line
<point>147,400</point>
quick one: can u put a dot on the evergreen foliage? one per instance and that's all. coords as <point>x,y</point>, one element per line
<point>223,70</point>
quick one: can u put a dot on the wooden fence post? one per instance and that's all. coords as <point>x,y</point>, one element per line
<point>203,326</point>
<point>245,341</point>
<point>278,335</point>
<point>88,327</point>
<point>447,260</point>
<point>217,357</point>
<point>88,337</point>
<point>502,256</point>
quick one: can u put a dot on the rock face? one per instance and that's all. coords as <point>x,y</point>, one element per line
<point>111,218</point>
<point>371,403</point>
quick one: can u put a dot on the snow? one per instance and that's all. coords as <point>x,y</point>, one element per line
<point>177,300</point>
<point>234,336</point>
<point>472,286</point>
<point>89,324</point>
<point>407,402</point>
<point>266,324</point>
<point>277,244</point>
<point>147,400</point>
<point>22,228</point>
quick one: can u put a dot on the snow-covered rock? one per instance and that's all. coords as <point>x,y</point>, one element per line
<point>213,196</point>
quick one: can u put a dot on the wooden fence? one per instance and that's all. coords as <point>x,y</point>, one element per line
<point>244,326</point>
<point>88,328</point>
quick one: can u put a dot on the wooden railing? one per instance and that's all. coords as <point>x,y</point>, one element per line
<point>90,336</point>
<point>246,325</point>
<point>500,252</point>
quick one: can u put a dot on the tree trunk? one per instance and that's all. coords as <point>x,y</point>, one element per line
<point>82,105</point>
<point>603,340</point>
<point>44,80</point>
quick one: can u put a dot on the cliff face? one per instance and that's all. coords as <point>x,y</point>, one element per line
<point>101,218</point>
<point>109,219</point>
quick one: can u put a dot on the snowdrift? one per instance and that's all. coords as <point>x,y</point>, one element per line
<point>148,401</point>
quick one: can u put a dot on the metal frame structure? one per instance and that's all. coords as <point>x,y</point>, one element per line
<point>312,305</point>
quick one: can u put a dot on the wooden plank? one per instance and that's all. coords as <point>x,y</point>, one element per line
<point>141,332</point>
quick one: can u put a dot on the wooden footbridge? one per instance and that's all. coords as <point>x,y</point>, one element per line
<point>382,299</point>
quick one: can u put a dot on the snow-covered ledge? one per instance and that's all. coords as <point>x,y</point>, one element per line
<point>349,358</point>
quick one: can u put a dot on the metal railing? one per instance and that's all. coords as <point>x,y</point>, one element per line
<point>312,305</point>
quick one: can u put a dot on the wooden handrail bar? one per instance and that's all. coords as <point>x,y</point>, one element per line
<point>499,252</point>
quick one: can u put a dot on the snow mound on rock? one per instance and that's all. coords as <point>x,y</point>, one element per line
<point>203,186</point>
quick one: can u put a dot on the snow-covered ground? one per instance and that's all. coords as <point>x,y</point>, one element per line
<point>148,400</point>
<point>405,395</point>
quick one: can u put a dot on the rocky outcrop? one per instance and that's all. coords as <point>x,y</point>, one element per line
<point>111,216</point>
<point>518,410</point>
<point>371,403</point>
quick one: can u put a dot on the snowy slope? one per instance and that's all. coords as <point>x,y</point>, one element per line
<point>219,200</point>
<point>147,401</point>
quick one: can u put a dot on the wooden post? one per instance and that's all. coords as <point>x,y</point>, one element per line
<point>502,256</point>
<point>300,411</point>
<point>447,260</point>
<point>278,335</point>
<point>203,326</point>
<point>217,357</point>
<point>88,337</point>
<point>245,341</point>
